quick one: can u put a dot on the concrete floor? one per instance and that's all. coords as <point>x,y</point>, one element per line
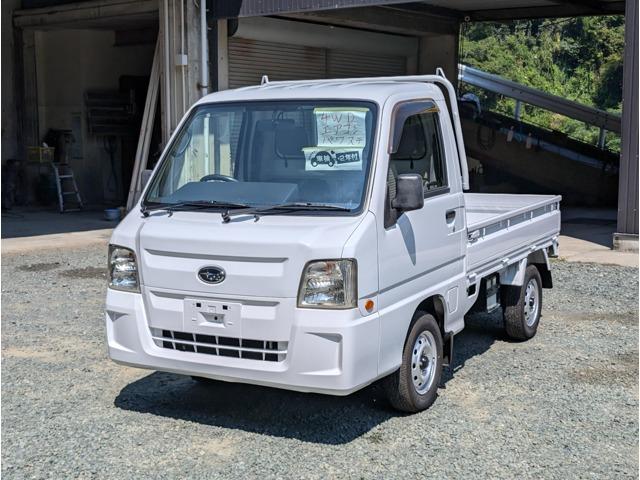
<point>586,234</point>
<point>30,222</point>
<point>27,229</point>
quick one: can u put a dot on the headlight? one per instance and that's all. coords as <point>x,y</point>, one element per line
<point>328,284</point>
<point>123,271</point>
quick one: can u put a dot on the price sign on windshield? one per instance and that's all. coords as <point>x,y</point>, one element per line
<point>340,127</point>
<point>341,137</point>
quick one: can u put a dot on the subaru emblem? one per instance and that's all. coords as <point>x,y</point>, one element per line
<point>212,274</point>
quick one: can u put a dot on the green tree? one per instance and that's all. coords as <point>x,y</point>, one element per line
<point>575,58</point>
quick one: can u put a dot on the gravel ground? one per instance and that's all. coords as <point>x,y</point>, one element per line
<point>563,405</point>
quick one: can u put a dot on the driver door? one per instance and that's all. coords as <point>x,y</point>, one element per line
<point>421,252</point>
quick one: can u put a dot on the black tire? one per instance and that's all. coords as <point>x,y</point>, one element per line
<point>399,386</point>
<point>518,324</point>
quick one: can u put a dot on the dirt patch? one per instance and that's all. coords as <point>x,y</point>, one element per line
<point>39,267</point>
<point>30,354</point>
<point>470,402</point>
<point>222,447</point>
<point>622,369</point>
<point>630,318</point>
<point>86,272</point>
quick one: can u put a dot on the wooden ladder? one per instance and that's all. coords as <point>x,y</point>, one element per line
<point>66,185</point>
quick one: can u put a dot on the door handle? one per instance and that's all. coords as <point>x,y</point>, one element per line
<point>450,216</point>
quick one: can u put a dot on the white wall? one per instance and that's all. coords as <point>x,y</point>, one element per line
<point>69,62</point>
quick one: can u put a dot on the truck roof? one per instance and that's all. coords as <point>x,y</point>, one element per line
<point>372,89</point>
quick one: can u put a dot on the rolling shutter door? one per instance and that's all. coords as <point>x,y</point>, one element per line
<point>250,59</point>
<point>343,64</point>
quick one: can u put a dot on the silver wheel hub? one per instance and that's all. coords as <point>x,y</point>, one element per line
<point>424,362</point>
<point>531,302</point>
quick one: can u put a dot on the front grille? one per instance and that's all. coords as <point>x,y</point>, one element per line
<point>264,350</point>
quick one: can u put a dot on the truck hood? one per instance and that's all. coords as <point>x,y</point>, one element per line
<point>262,258</point>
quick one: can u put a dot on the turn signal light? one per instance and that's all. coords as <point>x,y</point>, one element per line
<point>368,305</point>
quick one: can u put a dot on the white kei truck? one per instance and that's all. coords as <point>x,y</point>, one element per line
<point>316,236</point>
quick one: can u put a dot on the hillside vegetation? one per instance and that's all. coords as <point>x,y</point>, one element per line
<point>575,58</point>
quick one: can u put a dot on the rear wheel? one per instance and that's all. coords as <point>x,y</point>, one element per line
<point>522,306</point>
<point>413,387</point>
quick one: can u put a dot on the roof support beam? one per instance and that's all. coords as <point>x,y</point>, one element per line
<point>387,19</point>
<point>72,13</point>
<point>261,8</point>
<point>566,9</point>
<point>595,5</point>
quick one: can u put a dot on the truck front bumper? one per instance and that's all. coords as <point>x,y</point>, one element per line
<point>328,351</point>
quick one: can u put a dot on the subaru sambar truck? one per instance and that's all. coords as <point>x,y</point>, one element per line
<point>316,236</point>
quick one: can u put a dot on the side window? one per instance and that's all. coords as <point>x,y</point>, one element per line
<point>420,151</point>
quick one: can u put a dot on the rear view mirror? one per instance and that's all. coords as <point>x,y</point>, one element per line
<point>409,193</point>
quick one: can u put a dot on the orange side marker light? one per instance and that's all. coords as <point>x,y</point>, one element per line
<point>368,305</point>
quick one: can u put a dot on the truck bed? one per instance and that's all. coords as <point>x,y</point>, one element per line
<point>502,228</point>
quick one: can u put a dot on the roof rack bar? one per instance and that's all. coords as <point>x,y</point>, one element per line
<point>439,79</point>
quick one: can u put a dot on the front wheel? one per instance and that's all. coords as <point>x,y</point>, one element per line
<point>413,387</point>
<point>522,306</point>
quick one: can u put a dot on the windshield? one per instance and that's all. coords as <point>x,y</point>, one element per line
<point>270,153</point>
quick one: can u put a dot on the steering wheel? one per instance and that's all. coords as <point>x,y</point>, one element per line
<point>218,177</point>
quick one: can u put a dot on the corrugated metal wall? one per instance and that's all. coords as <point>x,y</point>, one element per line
<point>341,64</point>
<point>628,192</point>
<point>250,59</point>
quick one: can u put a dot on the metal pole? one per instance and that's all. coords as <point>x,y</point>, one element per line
<point>166,72</point>
<point>601,138</point>
<point>204,53</point>
<point>516,112</point>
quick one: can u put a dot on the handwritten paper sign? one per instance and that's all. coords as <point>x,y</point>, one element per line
<point>337,127</point>
<point>341,136</point>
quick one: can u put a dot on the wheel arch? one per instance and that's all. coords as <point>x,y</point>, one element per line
<point>540,260</point>
<point>434,305</point>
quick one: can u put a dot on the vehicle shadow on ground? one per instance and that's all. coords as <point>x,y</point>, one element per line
<point>307,417</point>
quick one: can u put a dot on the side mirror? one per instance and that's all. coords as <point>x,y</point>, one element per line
<point>409,193</point>
<point>145,176</point>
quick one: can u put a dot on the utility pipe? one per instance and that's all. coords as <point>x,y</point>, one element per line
<point>204,53</point>
<point>166,71</point>
<point>183,66</point>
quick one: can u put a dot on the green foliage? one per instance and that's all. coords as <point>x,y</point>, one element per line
<point>575,58</point>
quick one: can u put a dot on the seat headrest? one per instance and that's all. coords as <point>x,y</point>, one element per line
<point>412,142</point>
<point>290,140</point>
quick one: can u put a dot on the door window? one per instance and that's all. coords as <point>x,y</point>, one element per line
<point>420,151</point>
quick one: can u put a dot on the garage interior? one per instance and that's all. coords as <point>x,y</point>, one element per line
<point>90,74</point>
<point>82,68</point>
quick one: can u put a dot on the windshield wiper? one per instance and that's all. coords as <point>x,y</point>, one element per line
<point>193,205</point>
<point>257,212</point>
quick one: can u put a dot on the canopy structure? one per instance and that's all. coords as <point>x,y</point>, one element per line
<point>470,10</point>
<point>218,44</point>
